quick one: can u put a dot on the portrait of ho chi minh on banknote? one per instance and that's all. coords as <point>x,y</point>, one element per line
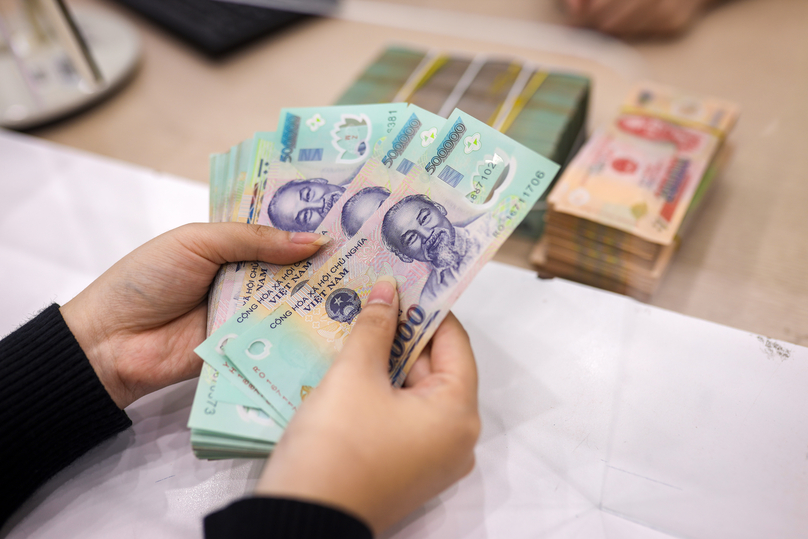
<point>301,205</point>
<point>418,228</point>
<point>360,207</point>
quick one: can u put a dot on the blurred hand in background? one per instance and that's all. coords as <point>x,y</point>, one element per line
<point>635,18</point>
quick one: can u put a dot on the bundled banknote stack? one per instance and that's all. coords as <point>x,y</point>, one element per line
<point>543,109</point>
<point>617,213</point>
<point>400,192</point>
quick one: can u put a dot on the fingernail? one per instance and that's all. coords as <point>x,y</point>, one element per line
<point>309,238</point>
<point>384,291</point>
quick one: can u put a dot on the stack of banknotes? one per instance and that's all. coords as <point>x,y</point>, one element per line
<point>617,213</point>
<point>542,109</point>
<point>400,191</point>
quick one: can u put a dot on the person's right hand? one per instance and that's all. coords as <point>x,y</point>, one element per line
<point>372,450</point>
<point>635,18</point>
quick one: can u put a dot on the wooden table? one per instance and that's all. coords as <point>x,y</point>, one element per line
<point>742,264</point>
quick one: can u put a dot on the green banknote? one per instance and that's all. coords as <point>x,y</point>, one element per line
<point>224,424</point>
<point>455,156</point>
<point>257,400</point>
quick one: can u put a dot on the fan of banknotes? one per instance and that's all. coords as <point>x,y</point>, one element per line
<point>618,211</point>
<point>401,192</point>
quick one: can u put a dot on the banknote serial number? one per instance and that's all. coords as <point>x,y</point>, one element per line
<point>210,409</point>
<point>535,182</point>
<point>391,121</point>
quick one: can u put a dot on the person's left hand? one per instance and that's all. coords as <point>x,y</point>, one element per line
<point>140,321</point>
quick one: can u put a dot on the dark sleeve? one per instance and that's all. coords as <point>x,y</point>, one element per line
<point>53,407</point>
<point>278,518</point>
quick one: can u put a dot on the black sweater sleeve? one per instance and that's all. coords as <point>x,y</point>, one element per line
<point>278,518</point>
<point>53,407</point>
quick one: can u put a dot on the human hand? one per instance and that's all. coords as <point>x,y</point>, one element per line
<point>140,321</point>
<point>635,18</point>
<point>378,452</point>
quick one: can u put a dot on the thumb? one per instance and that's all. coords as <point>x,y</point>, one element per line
<point>235,242</point>
<point>367,349</point>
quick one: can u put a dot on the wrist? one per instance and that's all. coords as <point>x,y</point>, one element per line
<point>96,348</point>
<point>313,480</point>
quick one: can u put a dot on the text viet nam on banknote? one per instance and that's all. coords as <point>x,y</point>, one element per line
<point>412,237</point>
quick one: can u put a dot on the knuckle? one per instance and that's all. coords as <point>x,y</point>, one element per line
<point>264,232</point>
<point>265,244</point>
<point>190,236</point>
<point>186,232</point>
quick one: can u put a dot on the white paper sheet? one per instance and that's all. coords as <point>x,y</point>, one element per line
<point>602,417</point>
<point>66,216</point>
